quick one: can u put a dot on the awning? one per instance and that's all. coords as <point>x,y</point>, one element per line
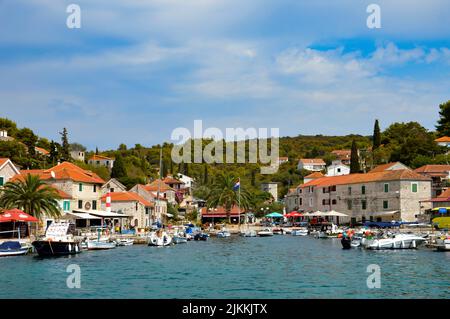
<point>383,213</point>
<point>79,216</point>
<point>101,213</point>
<point>334,214</point>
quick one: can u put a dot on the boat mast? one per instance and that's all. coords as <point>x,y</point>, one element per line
<point>160,180</point>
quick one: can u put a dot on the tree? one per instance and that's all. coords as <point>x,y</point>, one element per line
<point>27,137</point>
<point>32,196</point>
<point>77,147</point>
<point>443,126</point>
<point>223,194</point>
<point>53,156</point>
<point>119,170</point>
<point>354,159</point>
<point>376,136</point>
<point>205,174</point>
<point>9,126</point>
<point>96,150</point>
<point>65,146</point>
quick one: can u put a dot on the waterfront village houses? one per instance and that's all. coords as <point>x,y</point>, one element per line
<point>440,175</point>
<point>311,164</point>
<point>7,170</point>
<point>271,188</point>
<point>386,195</point>
<point>80,189</point>
<point>165,191</point>
<point>138,209</point>
<point>160,204</point>
<point>337,169</point>
<point>188,182</point>
<point>112,186</point>
<point>99,160</point>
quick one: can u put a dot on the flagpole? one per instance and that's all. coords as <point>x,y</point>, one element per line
<point>239,201</point>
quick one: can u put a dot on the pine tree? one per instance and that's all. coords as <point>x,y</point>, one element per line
<point>119,170</point>
<point>443,126</point>
<point>354,159</point>
<point>376,135</point>
<point>65,146</point>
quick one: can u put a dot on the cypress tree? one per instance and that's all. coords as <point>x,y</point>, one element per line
<point>53,156</point>
<point>96,151</point>
<point>376,135</point>
<point>119,170</point>
<point>443,126</point>
<point>65,146</point>
<point>354,159</point>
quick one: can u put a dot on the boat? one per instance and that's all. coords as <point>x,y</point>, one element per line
<point>100,245</point>
<point>278,231</point>
<point>300,232</point>
<point>287,231</point>
<point>346,242</point>
<point>398,241</point>
<point>12,248</point>
<point>160,239</point>
<point>125,242</point>
<point>443,243</point>
<point>201,237</point>
<point>223,234</point>
<point>265,233</point>
<point>321,235</point>
<point>179,240</point>
<point>58,241</point>
<point>249,233</point>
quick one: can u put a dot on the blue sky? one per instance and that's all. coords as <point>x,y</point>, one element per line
<point>138,69</point>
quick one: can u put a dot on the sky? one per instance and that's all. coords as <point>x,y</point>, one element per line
<point>136,70</point>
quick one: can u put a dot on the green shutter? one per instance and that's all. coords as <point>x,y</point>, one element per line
<point>80,187</point>
<point>363,189</point>
<point>386,188</point>
<point>385,204</point>
<point>414,187</point>
<point>2,181</point>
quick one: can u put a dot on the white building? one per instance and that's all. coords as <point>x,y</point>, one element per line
<point>99,160</point>
<point>337,169</point>
<point>271,188</point>
<point>311,164</point>
<point>443,141</point>
<point>7,170</point>
<point>188,181</point>
<point>77,155</point>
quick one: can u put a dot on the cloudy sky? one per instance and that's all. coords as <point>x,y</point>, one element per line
<point>138,69</point>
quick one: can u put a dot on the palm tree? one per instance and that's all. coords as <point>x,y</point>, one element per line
<point>223,194</point>
<point>32,196</point>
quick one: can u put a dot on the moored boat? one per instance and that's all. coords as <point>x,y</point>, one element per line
<point>160,238</point>
<point>265,233</point>
<point>12,248</point>
<point>249,233</point>
<point>125,242</point>
<point>223,234</point>
<point>300,232</point>
<point>201,237</point>
<point>58,241</point>
<point>398,241</point>
<point>443,243</point>
<point>100,245</point>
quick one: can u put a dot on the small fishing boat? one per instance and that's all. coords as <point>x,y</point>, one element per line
<point>201,237</point>
<point>300,232</point>
<point>58,241</point>
<point>223,234</point>
<point>398,241</point>
<point>100,245</point>
<point>265,233</point>
<point>443,243</point>
<point>125,242</point>
<point>160,239</point>
<point>249,233</point>
<point>12,248</point>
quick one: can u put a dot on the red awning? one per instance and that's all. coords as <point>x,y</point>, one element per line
<point>294,214</point>
<point>16,215</point>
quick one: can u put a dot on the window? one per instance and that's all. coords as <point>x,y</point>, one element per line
<point>137,206</point>
<point>386,188</point>
<point>333,188</point>
<point>98,162</point>
<point>349,204</point>
<point>66,206</point>
<point>349,190</point>
<point>94,205</point>
<point>334,202</point>
<point>95,188</point>
<point>300,201</point>
<point>371,218</point>
<point>385,204</point>
<point>80,204</point>
<point>414,187</point>
<point>2,180</point>
<point>80,187</point>
<point>364,204</point>
<point>326,190</point>
<point>147,211</point>
<point>112,190</point>
<point>363,189</point>
<point>310,202</point>
<point>338,170</point>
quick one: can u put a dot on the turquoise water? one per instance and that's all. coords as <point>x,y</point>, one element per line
<point>237,267</point>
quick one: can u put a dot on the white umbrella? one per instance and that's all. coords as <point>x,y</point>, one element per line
<point>334,213</point>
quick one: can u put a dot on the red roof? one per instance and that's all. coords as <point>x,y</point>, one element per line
<point>41,150</point>
<point>314,175</point>
<point>100,158</point>
<point>128,197</point>
<point>391,175</point>
<point>220,212</point>
<point>3,161</point>
<point>427,169</point>
<point>443,139</point>
<point>158,185</point>
<point>170,180</point>
<point>315,161</point>
<point>63,171</point>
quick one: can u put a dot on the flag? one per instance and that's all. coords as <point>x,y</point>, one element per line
<point>237,185</point>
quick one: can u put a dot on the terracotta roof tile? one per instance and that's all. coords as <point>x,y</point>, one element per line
<point>314,175</point>
<point>433,169</point>
<point>442,139</point>
<point>100,158</point>
<point>128,197</point>
<point>316,161</point>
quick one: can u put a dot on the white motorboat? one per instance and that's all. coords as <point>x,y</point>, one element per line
<point>179,240</point>
<point>398,241</point>
<point>125,242</point>
<point>443,243</point>
<point>159,238</point>
<point>321,235</point>
<point>223,234</point>
<point>300,232</point>
<point>100,245</point>
<point>249,233</point>
<point>265,233</point>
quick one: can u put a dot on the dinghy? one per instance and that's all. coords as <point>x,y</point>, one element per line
<point>249,233</point>
<point>125,242</point>
<point>159,238</point>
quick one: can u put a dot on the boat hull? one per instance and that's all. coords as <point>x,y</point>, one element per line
<point>346,243</point>
<point>394,243</point>
<point>443,244</point>
<point>180,240</point>
<point>94,245</point>
<point>53,248</point>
